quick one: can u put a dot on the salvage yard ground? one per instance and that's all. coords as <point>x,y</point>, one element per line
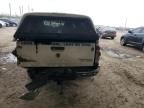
<point>119,84</point>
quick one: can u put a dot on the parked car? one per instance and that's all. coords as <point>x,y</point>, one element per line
<point>15,20</point>
<point>2,24</point>
<point>134,37</point>
<point>56,44</point>
<point>108,32</point>
<point>11,23</point>
<point>98,30</point>
<point>6,24</point>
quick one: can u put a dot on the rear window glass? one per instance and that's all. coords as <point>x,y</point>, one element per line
<point>56,25</point>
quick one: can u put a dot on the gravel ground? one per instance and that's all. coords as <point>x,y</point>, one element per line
<point>119,84</point>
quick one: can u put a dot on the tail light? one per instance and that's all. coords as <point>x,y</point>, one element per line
<point>97,53</point>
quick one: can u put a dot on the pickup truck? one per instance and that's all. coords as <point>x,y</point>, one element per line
<point>57,44</point>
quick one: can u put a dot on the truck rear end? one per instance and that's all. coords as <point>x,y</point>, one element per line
<point>57,42</point>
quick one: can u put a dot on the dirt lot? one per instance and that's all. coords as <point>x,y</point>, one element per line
<point>119,84</point>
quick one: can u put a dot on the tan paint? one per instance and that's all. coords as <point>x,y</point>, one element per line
<point>73,55</point>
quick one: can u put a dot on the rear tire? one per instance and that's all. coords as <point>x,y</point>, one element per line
<point>123,42</point>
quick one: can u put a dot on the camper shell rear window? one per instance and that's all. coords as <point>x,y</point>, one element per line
<point>42,24</point>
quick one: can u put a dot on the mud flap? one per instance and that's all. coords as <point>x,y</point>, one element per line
<point>35,84</point>
<point>31,95</point>
<point>34,89</point>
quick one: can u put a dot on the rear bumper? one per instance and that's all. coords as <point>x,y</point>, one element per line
<point>65,73</point>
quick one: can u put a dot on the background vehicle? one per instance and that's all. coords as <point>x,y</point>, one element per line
<point>108,32</point>
<point>57,44</point>
<point>134,37</point>
<point>2,24</point>
<point>7,24</point>
<point>11,23</point>
<point>97,28</point>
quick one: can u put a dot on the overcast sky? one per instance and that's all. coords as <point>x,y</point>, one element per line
<point>102,12</point>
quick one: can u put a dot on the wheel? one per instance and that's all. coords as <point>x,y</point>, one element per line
<point>112,38</point>
<point>123,42</point>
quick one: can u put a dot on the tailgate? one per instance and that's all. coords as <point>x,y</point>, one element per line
<point>55,54</point>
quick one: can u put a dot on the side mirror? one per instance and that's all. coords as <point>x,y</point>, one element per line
<point>130,31</point>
